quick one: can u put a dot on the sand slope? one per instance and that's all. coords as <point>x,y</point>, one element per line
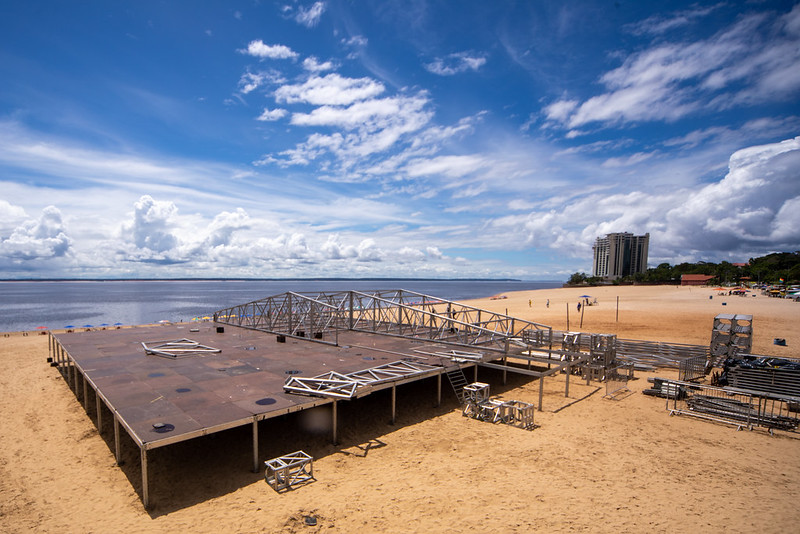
<point>593,464</point>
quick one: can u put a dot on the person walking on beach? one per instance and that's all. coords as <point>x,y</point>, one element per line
<point>548,303</point>
<point>579,307</point>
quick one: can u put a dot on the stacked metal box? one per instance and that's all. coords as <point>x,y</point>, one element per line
<point>732,334</point>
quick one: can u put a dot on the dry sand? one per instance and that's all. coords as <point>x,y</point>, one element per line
<point>592,464</point>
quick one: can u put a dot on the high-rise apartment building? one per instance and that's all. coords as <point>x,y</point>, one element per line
<point>620,254</point>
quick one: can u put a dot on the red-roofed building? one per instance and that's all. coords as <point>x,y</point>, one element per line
<point>695,279</point>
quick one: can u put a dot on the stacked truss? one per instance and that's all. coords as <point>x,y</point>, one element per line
<point>341,386</point>
<point>178,348</point>
<point>392,312</point>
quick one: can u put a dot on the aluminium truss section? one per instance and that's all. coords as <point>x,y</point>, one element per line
<point>289,470</point>
<point>290,313</point>
<point>398,312</point>
<point>416,315</point>
<point>347,386</point>
<point>178,348</point>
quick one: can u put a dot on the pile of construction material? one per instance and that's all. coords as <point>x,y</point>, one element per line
<point>779,376</point>
<point>478,405</point>
<point>739,407</point>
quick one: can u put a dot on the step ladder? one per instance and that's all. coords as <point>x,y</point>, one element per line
<point>457,379</point>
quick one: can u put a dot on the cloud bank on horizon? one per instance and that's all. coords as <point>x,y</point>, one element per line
<point>313,139</point>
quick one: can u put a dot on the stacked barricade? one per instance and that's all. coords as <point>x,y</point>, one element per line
<point>738,407</point>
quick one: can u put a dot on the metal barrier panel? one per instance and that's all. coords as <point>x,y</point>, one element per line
<point>744,409</point>
<point>617,378</point>
<point>652,353</point>
<point>692,368</point>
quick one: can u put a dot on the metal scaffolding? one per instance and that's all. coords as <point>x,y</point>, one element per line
<point>396,312</point>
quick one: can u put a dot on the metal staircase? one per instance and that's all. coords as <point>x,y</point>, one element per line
<point>457,379</point>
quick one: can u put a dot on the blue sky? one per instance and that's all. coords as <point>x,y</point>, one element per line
<point>411,139</point>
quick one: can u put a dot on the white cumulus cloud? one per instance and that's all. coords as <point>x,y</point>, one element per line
<point>332,90</point>
<point>258,49</point>
<point>272,114</point>
<point>41,238</point>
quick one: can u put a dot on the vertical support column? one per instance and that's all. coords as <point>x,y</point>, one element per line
<point>310,332</point>
<point>291,314</point>
<point>335,423</point>
<point>256,468</point>
<point>475,374</point>
<point>117,451</point>
<point>505,370</point>
<point>75,377</point>
<point>98,404</point>
<point>566,388</point>
<point>350,315</point>
<point>394,404</point>
<point>145,482</point>
<point>85,394</point>
<point>438,390</point>
<point>541,391</point>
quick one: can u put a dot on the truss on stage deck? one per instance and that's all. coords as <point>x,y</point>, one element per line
<point>398,312</point>
<point>341,386</point>
<point>177,349</point>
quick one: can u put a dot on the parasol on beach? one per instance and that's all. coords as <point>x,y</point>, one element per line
<point>70,326</point>
<point>41,328</point>
<point>585,297</point>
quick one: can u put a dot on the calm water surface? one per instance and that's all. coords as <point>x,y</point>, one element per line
<point>28,305</point>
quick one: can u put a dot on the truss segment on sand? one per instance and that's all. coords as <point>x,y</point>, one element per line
<point>397,312</point>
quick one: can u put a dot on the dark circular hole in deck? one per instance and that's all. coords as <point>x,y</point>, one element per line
<point>266,401</point>
<point>293,372</point>
<point>183,390</point>
<point>163,427</point>
<point>155,375</point>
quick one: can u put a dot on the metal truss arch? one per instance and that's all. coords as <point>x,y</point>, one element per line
<point>396,312</point>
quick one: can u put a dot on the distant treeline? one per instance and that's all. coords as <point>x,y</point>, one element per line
<point>776,268</point>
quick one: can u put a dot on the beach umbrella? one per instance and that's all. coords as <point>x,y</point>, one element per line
<point>117,324</point>
<point>87,326</point>
<point>41,328</point>
<point>105,324</point>
<point>70,326</point>
<point>585,297</point>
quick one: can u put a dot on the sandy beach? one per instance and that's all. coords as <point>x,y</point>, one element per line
<point>591,464</point>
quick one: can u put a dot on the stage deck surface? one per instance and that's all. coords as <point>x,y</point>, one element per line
<point>192,395</point>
